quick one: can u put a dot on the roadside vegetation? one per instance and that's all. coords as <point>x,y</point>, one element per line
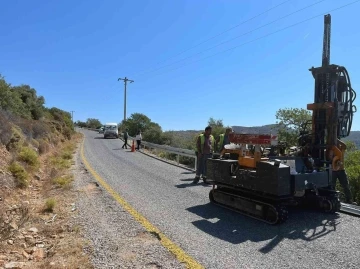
<point>36,153</point>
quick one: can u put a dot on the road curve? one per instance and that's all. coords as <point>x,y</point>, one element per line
<point>214,236</point>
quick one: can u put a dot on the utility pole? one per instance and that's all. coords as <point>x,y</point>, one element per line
<point>126,80</point>
<point>72,117</point>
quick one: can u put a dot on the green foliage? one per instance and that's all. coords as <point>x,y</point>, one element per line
<point>30,157</point>
<point>81,124</point>
<point>34,105</point>
<point>63,181</point>
<point>62,160</point>
<point>49,205</point>
<point>290,122</point>
<point>61,116</point>
<point>21,100</point>
<point>352,167</point>
<point>20,174</point>
<point>93,123</point>
<point>217,127</point>
<point>136,122</point>
<point>154,134</point>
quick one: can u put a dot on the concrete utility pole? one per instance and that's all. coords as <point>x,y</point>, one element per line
<point>126,80</point>
<point>72,117</point>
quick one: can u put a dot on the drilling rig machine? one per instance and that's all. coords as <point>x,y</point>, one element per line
<point>264,187</point>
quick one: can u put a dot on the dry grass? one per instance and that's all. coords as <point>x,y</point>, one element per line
<point>64,244</point>
<point>64,181</point>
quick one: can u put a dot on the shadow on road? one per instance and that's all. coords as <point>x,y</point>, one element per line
<point>190,184</point>
<point>99,137</point>
<point>188,173</point>
<point>236,228</point>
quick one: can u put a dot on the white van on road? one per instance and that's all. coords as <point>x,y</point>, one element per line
<point>111,130</point>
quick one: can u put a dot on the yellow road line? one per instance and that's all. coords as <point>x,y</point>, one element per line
<point>166,242</point>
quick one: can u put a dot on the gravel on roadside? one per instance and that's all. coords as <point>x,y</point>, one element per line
<point>115,238</point>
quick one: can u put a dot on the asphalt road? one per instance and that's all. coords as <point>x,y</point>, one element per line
<point>214,236</point>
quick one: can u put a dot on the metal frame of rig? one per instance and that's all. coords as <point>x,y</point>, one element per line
<point>262,187</point>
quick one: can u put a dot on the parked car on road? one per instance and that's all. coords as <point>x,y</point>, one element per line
<point>111,130</point>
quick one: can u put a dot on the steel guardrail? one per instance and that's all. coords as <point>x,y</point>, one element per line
<point>350,209</point>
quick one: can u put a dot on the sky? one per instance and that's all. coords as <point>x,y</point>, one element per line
<point>190,60</point>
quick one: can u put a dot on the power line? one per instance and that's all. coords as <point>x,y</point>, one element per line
<point>227,41</point>
<point>228,30</point>
<point>256,39</point>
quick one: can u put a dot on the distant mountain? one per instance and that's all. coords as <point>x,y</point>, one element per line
<point>354,137</point>
<point>184,137</point>
<point>265,129</point>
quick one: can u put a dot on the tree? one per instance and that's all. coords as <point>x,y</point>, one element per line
<point>352,167</point>
<point>93,123</point>
<point>136,122</point>
<point>153,134</point>
<point>290,122</point>
<point>34,105</point>
<point>217,127</point>
<point>11,101</point>
<point>80,123</point>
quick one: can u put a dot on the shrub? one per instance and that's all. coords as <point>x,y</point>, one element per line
<point>59,162</point>
<point>40,129</point>
<point>20,174</point>
<point>5,129</point>
<point>50,204</point>
<point>35,143</point>
<point>43,146</point>
<point>63,181</point>
<point>29,156</point>
<point>16,139</point>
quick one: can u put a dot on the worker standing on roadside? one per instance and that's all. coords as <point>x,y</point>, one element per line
<point>126,136</point>
<point>205,146</point>
<point>138,139</point>
<point>344,182</point>
<point>223,139</point>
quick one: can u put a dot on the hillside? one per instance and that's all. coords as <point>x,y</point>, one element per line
<point>182,138</point>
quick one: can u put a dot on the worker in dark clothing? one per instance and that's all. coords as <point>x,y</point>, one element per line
<point>344,182</point>
<point>205,145</point>
<point>126,136</point>
<point>223,139</point>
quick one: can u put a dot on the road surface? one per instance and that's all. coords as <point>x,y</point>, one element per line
<point>214,236</point>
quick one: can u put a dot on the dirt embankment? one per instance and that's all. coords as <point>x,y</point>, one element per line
<point>36,197</point>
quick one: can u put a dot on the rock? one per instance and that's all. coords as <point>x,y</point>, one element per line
<point>10,242</point>
<point>13,226</point>
<point>14,265</point>
<point>23,245</point>
<point>21,237</point>
<point>29,239</point>
<point>33,230</point>
<point>39,254</point>
<point>25,254</point>
<point>37,177</point>
<point>53,236</point>
<point>29,250</point>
